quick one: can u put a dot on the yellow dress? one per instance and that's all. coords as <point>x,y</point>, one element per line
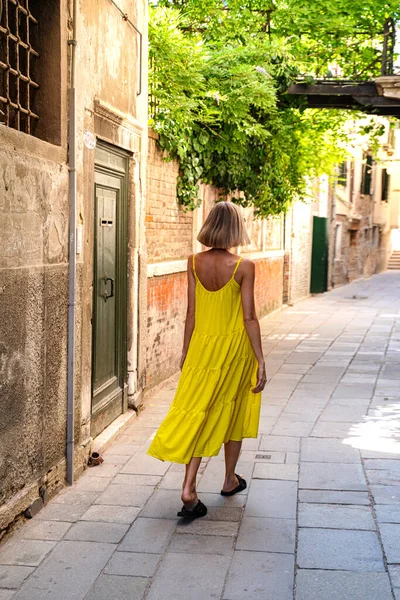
<point>213,402</point>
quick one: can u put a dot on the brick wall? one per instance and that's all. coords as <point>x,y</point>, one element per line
<point>166,296</point>
<point>168,229</point>
<point>269,285</point>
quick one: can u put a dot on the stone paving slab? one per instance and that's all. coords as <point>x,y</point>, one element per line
<point>68,572</point>
<point>287,427</point>
<point>201,544</point>
<point>206,580</point>
<point>336,516</point>
<point>91,531</point>
<point>208,528</point>
<point>111,514</point>
<point>134,480</point>
<point>62,512</point>
<point>386,494</point>
<point>332,476</point>
<point>120,494</point>
<point>328,450</point>
<point>288,472</point>
<point>334,497</point>
<point>279,443</point>
<point>148,535</point>
<point>142,464</point>
<point>342,550</point>
<point>121,587</point>
<point>260,575</point>
<point>29,553</point>
<point>13,576</point>
<point>267,535</point>
<point>387,513</point>
<point>43,530</point>
<point>390,533</point>
<point>394,572</point>
<point>329,429</point>
<point>342,585</point>
<point>6,594</point>
<point>269,498</point>
<point>133,564</point>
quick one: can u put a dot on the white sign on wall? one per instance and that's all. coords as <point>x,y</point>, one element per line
<point>89,139</point>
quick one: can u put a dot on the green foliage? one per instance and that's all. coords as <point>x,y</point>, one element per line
<point>219,70</point>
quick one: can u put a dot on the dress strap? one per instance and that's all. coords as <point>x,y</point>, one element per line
<point>237,266</point>
<point>194,265</point>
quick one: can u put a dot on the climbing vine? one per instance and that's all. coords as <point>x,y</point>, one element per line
<point>218,76</point>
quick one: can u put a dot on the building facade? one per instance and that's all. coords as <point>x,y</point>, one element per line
<point>360,209</point>
<point>43,123</point>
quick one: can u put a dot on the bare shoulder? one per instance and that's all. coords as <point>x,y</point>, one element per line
<point>247,266</point>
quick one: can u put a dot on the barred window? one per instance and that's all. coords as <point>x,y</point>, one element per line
<point>30,67</point>
<point>17,65</point>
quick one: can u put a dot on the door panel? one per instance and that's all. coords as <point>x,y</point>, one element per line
<point>319,260</point>
<point>109,287</point>
<point>105,367</point>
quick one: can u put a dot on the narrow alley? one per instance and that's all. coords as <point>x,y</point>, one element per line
<point>320,519</point>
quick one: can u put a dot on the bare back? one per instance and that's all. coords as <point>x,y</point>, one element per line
<point>215,268</point>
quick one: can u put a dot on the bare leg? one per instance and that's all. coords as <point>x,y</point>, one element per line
<point>232,451</point>
<point>189,493</point>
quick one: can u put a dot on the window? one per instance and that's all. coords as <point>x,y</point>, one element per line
<point>338,240</point>
<point>375,236</point>
<point>17,63</point>
<point>30,67</point>
<point>366,174</point>
<point>342,174</point>
<point>367,234</point>
<point>385,185</point>
<point>353,237</point>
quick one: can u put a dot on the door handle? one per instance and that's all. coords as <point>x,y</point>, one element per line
<point>111,294</point>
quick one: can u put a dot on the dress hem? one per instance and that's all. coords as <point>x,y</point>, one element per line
<point>208,455</point>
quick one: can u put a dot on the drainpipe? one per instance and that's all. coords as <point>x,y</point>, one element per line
<point>72,254</point>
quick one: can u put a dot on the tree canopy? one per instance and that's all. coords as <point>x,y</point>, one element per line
<point>219,70</point>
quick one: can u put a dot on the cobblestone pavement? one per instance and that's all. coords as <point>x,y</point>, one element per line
<point>320,519</point>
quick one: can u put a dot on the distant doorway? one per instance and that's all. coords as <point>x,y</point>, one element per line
<point>109,286</point>
<point>320,253</point>
<point>395,239</point>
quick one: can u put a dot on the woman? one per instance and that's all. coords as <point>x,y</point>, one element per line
<point>223,370</point>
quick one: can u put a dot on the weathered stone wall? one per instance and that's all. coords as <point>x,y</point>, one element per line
<point>33,306</point>
<point>298,241</point>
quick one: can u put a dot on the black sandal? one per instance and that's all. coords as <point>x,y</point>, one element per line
<point>200,510</point>
<point>242,485</point>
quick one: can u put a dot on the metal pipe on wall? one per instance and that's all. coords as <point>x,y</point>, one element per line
<point>72,252</point>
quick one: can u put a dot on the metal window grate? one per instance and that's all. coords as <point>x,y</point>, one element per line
<point>17,57</point>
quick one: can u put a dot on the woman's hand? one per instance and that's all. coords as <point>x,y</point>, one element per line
<point>261,378</point>
<point>182,361</point>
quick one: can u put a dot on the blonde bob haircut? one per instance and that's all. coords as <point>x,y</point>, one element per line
<point>224,227</point>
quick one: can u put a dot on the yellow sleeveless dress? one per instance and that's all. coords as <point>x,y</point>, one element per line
<point>213,402</point>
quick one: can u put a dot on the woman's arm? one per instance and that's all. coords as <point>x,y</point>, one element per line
<point>191,300</point>
<point>251,322</point>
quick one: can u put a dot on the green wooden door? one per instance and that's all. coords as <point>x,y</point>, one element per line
<point>109,288</point>
<point>320,253</point>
